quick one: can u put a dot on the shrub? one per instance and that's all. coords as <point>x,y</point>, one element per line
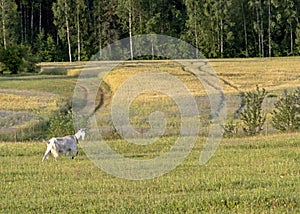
<point>286,115</point>
<point>17,58</point>
<point>230,129</point>
<point>61,124</point>
<point>252,117</point>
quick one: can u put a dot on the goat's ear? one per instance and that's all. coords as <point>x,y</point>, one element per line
<point>45,141</point>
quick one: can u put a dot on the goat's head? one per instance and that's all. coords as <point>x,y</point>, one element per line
<point>81,133</point>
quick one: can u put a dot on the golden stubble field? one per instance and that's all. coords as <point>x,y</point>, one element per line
<point>235,74</point>
<point>270,73</point>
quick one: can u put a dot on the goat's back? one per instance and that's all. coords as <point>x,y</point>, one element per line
<point>67,143</point>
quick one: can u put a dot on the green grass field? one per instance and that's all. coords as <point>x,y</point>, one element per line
<point>246,174</point>
<point>252,175</point>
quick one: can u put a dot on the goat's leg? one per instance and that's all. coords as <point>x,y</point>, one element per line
<point>48,151</point>
<point>75,153</point>
<point>54,153</point>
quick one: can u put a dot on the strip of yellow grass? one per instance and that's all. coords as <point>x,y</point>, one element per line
<point>128,69</point>
<point>235,74</point>
<point>270,73</point>
<point>17,101</point>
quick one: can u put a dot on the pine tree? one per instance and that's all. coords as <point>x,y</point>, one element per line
<point>44,47</point>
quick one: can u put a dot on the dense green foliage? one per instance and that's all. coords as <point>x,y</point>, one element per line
<point>61,30</point>
<point>61,124</point>
<point>15,58</point>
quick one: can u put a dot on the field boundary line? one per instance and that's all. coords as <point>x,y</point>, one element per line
<point>9,131</point>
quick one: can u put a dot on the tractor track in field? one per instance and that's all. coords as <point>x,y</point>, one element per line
<point>222,102</point>
<point>102,97</point>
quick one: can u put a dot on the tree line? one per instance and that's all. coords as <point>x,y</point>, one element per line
<point>74,30</point>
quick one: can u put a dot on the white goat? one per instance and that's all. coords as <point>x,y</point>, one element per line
<point>67,144</point>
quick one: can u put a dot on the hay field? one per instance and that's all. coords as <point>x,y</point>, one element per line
<point>270,73</point>
<point>234,75</point>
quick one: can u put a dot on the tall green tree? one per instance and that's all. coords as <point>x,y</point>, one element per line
<point>9,22</point>
<point>203,26</point>
<point>106,25</point>
<point>45,47</point>
<point>241,43</point>
<point>195,25</point>
<point>62,16</point>
<point>127,11</point>
<point>297,39</point>
<point>225,24</point>
<point>80,25</point>
<point>258,25</point>
<point>290,19</point>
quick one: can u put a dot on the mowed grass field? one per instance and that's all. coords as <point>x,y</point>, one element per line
<point>253,175</point>
<point>246,175</point>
